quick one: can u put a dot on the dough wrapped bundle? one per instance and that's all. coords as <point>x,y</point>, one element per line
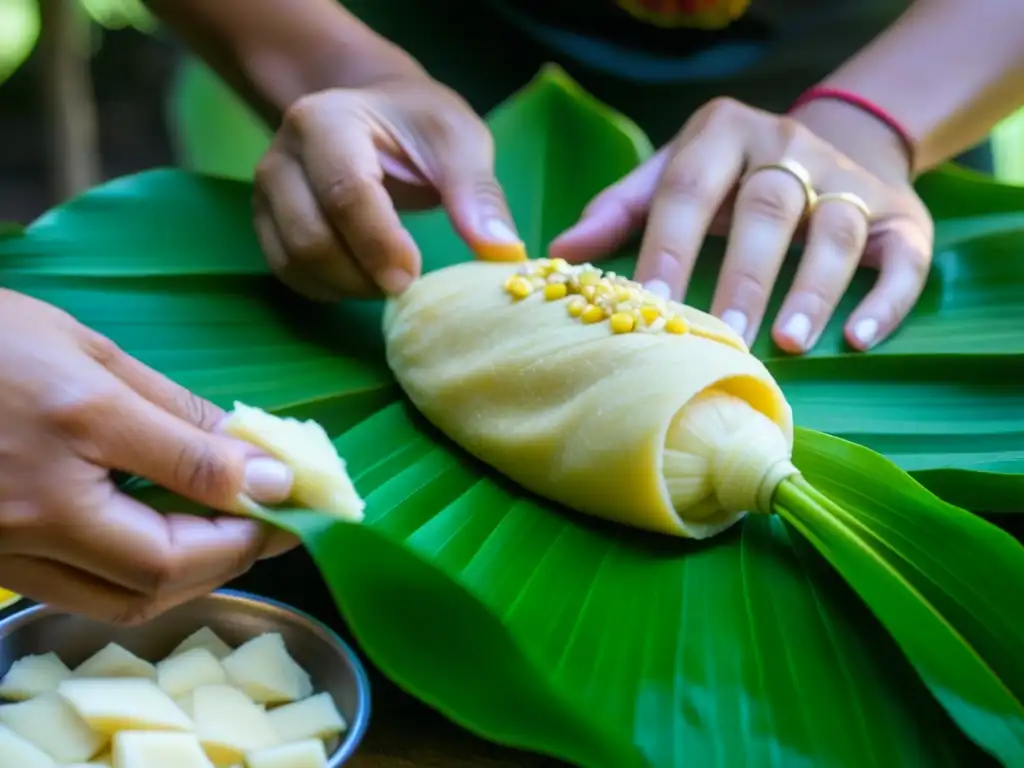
<point>588,390</point>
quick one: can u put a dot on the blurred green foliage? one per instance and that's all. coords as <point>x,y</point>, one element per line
<point>19,26</point>
<point>19,32</point>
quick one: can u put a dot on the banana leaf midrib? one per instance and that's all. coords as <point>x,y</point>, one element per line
<point>860,535</point>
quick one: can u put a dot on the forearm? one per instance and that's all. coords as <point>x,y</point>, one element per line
<point>274,52</point>
<point>948,70</point>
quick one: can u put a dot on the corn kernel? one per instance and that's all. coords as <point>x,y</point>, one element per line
<point>649,314</point>
<point>519,287</point>
<point>590,278</point>
<point>676,325</point>
<point>592,314</point>
<point>588,292</point>
<point>553,291</point>
<point>577,305</point>
<point>622,322</point>
<point>559,265</point>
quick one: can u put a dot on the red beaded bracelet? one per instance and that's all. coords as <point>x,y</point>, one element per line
<point>824,92</point>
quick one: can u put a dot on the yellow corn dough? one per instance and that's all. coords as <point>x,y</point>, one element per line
<point>594,393</point>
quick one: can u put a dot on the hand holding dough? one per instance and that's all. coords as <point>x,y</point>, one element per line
<point>590,391</point>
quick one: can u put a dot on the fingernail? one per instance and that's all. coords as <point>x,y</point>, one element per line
<point>865,331</point>
<point>500,232</point>
<point>798,328</point>
<point>267,480</point>
<point>393,281</point>
<point>503,243</point>
<point>735,320</point>
<point>659,288</point>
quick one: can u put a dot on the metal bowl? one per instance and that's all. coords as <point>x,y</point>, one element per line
<point>235,616</point>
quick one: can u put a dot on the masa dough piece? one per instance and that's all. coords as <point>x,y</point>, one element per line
<point>321,480</point>
<point>677,432</point>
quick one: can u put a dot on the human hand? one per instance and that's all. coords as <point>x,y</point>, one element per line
<point>717,177</point>
<point>73,407</point>
<point>346,160</point>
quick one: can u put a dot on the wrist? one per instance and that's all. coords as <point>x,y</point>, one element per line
<point>345,54</point>
<point>864,138</point>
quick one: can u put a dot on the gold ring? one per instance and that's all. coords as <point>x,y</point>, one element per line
<point>844,197</point>
<point>798,172</point>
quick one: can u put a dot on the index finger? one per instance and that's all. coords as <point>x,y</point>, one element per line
<point>692,188</point>
<point>344,171</point>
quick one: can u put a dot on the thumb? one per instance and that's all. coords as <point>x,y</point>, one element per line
<point>473,198</point>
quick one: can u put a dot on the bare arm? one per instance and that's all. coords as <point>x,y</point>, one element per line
<point>274,52</point>
<point>948,70</point>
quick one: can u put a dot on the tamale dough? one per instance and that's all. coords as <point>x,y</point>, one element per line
<point>575,412</point>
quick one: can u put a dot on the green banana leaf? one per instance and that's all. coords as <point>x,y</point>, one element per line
<point>539,629</point>
<point>893,543</point>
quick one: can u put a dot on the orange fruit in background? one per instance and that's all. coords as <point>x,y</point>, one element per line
<point>698,14</point>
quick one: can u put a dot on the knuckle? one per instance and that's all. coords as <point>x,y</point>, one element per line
<point>302,112</point>
<point>101,348</point>
<point>206,474</point>
<point>820,295</point>
<point>307,244</point>
<point>686,182</point>
<point>199,411</point>
<point>346,193</point>
<point>75,412</point>
<point>766,198</point>
<point>747,286</point>
<point>725,110</point>
<point>846,232</point>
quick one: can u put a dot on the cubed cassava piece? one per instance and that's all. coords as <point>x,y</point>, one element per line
<point>51,724</point>
<point>33,675</point>
<point>321,480</point>
<point>114,660</point>
<point>177,675</point>
<point>589,390</point>
<point>110,705</point>
<point>204,637</point>
<point>153,749</point>
<point>263,669</point>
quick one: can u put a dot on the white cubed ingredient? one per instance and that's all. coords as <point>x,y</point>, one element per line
<point>264,670</point>
<point>204,637</point>
<point>20,752</point>
<point>177,675</point>
<point>155,749</point>
<point>314,718</point>
<point>110,705</point>
<point>33,675</point>
<point>49,723</point>
<point>228,724</point>
<point>299,754</point>
<point>114,660</point>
